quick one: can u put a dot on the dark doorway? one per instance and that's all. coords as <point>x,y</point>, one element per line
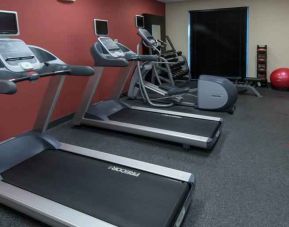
<point>158,21</point>
<point>218,42</point>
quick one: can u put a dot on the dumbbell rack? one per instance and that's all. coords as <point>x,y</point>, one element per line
<point>262,65</point>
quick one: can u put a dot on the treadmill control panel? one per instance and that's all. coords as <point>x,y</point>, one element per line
<point>16,56</point>
<point>111,47</point>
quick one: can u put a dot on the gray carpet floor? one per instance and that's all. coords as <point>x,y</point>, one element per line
<point>243,181</point>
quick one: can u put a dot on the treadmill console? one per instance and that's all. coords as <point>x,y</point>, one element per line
<point>16,56</point>
<point>111,47</point>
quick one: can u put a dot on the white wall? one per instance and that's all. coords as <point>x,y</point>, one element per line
<point>269,24</point>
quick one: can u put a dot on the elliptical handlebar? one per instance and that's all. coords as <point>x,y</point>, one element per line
<point>162,43</point>
<point>148,58</point>
<point>148,40</point>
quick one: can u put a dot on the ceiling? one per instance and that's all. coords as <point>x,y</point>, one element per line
<point>166,1</point>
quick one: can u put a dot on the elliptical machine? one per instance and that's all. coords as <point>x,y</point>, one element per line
<point>213,93</point>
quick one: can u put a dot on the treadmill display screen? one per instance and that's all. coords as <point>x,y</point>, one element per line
<point>8,23</point>
<point>101,27</point>
<point>139,20</point>
<point>109,44</point>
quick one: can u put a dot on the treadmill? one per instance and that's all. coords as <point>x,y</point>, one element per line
<point>64,185</point>
<point>184,128</point>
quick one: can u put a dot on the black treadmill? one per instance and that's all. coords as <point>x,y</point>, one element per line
<point>184,128</point>
<point>100,189</point>
<point>65,185</point>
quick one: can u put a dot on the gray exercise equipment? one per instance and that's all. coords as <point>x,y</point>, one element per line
<point>212,93</point>
<point>64,185</point>
<point>184,128</point>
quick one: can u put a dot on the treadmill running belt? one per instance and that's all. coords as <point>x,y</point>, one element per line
<point>100,189</point>
<point>188,125</point>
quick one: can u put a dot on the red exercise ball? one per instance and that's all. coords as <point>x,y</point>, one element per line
<point>280,78</point>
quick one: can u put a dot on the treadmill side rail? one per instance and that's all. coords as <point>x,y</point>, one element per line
<point>46,210</point>
<point>168,135</point>
<point>144,166</point>
<point>177,113</point>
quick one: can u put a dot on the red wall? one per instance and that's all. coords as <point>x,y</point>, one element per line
<point>67,31</point>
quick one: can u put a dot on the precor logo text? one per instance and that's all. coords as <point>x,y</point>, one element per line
<point>124,171</point>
